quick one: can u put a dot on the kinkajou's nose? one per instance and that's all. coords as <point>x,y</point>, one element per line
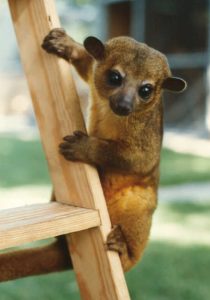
<point>124,108</point>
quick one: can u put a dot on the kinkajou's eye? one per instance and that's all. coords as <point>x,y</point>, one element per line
<point>114,78</point>
<point>145,91</point>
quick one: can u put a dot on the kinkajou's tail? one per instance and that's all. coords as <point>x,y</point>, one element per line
<point>40,260</point>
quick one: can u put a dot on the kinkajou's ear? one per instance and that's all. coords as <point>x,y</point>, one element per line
<point>95,47</point>
<point>174,84</point>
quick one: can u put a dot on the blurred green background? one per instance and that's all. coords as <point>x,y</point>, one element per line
<point>176,262</point>
<point>26,158</point>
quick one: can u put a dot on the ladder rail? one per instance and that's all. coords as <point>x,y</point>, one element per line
<point>58,113</point>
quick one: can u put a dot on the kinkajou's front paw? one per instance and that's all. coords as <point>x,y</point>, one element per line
<point>58,42</point>
<point>74,146</point>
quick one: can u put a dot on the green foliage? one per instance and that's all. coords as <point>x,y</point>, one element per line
<point>186,208</point>
<point>55,286</point>
<point>22,162</point>
<point>167,271</point>
<point>179,168</point>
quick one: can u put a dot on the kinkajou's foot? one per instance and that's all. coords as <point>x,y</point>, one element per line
<point>59,43</point>
<point>116,240</point>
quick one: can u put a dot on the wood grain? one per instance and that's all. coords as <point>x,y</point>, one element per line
<point>99,272</point>
<point>35,222</point>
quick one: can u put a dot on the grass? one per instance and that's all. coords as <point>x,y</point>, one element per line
<point>172,272</point>
<point>176,269</point>
<point>56,286</point>
<point>179,168</point>
<point>185,209</point>
<point>170,269</point>
<point>22,162</point>
<point>167,271</point>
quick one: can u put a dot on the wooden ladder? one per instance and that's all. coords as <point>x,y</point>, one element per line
<point>80,211</point>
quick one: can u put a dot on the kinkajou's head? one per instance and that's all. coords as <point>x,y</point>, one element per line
<point>130,75</point>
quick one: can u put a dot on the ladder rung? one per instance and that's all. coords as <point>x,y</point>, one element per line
<point>35,222</point>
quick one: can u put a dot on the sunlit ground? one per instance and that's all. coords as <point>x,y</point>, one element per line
<point>187,143</point>
<point>182,223</point>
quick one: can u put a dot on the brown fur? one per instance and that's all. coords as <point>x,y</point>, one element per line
<point>125,149</point>
<point>40,260</point>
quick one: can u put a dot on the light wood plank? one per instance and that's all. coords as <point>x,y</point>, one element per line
<point>35,222</point>
<point>99,272</point>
